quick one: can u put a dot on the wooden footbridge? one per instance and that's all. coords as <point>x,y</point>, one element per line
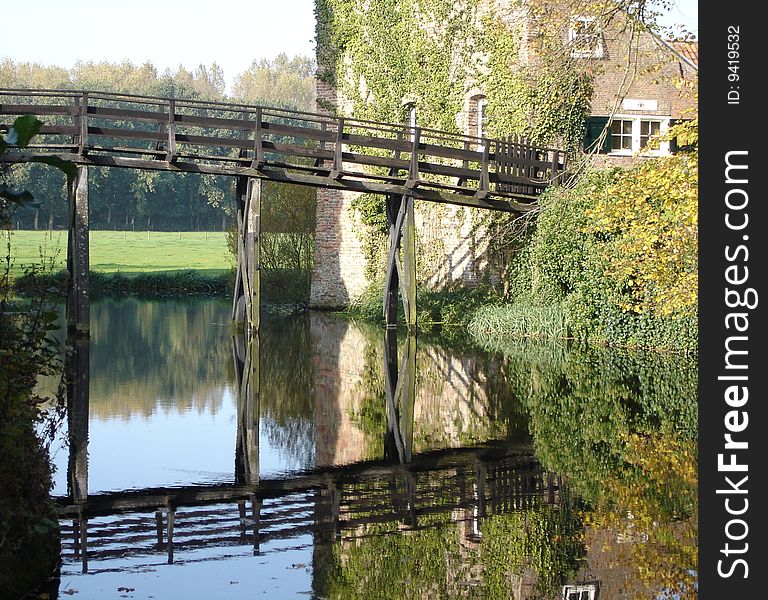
<point>256,143</point>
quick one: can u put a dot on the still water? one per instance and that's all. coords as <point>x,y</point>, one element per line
<point>322,460</point>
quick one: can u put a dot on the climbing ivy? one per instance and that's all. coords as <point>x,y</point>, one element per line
<point>382,53</point>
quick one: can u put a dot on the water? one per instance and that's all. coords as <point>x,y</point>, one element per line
<point>343,465</point>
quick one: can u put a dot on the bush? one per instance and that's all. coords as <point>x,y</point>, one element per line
<point>570,261</point>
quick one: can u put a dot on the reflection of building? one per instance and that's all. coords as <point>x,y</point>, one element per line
<point>452,404</point>
<point>339,361</point>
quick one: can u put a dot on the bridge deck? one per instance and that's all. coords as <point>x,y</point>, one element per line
<point>121,130</point>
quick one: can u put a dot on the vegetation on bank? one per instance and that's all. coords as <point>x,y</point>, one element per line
<point>622,427</point>
<point>29,543</point>
<point>158,263</point>
<point>612,259</point>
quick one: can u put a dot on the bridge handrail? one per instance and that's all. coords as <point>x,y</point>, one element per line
<point>445,166</point>
<point>194,103</point>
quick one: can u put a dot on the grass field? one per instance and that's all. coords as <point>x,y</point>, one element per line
<point>126,252</point>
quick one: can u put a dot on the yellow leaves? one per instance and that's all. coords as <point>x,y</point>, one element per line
<point>649,218</point>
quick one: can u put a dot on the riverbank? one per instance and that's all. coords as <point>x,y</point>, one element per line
<point>29,540</point>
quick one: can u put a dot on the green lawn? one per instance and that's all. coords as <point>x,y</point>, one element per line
<point>126,252</point>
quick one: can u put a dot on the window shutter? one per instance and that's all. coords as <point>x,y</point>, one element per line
<point>594,127</point>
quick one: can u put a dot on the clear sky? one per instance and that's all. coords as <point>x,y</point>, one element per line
<point>169,33</point>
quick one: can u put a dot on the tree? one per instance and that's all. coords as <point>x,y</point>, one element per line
<point>283,81</point>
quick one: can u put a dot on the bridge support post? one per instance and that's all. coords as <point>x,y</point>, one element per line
<point>246,360</point>
<point>400,274</point>
<point>77,380</point>
<point>78,263</point>
<point>246,304</point>
<point>400,391</point>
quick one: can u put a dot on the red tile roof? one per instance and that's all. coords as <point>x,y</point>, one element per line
<point>687,49</point>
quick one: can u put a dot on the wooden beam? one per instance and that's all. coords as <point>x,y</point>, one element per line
<point>507,202</point>
<point>408,281</point>
<point>392,277</point>
<point>77,372</point>
<point>246,350</point>
<point>78,263</point>
<point>247,295</point>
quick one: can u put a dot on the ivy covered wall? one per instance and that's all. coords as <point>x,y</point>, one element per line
<point>375,57</point>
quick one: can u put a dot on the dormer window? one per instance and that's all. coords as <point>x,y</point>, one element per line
<point>585,38</point>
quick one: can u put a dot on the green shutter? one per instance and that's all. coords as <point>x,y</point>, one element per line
<point>594,127</point>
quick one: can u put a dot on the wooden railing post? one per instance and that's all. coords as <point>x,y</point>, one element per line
<point>170,153</point>
<point>83,122</point>
<point>413,168</point>
<point>338,158</point>
<point>258,146</point>
<point>483,184</point>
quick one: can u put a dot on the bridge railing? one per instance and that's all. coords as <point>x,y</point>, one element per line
<point>225,138</point>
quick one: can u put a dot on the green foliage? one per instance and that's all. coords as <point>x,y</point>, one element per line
<point>566,261</point>
<point>445,310</point>
<point>128,199</point>
<point>546,102</point>
<point>433,562</point>
<point>648,217</point>
<point>586,402</point>
<point>283,81</point>
<point>408,565</point>
<point>546,541</point>
<point>519,320</point>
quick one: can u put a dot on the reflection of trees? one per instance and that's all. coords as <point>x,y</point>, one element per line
<point>287,404</point>
<point>622,427</point>
<point>151,353</point>
<point>533,549</point>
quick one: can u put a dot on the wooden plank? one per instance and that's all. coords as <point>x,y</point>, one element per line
<point>121,114</point>
<point>273,171</point>
<point>35,109</point>
<point>130,134</point>
<point>308,133</point>
<point>68,130</point>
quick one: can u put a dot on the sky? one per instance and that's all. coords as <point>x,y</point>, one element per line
<point>169,33</point>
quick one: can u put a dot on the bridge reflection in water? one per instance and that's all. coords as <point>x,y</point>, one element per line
<point>328,503</point>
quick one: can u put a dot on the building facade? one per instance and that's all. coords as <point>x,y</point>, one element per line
<point>598,84</point>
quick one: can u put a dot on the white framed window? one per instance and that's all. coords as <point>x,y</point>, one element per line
<point>586,591</point>
<point>585,38</point>
<point>631,134</point>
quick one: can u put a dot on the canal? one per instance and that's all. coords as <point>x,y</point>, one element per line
<point>325,461</point>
